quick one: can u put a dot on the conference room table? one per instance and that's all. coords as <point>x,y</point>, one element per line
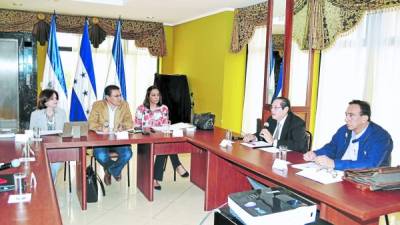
<point>220,171</point>
<point>43,208</point>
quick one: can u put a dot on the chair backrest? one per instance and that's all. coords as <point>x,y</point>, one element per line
<point>309,140</point>
<point>258,125</point>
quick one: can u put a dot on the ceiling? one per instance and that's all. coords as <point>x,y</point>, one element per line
<point>169,12</point>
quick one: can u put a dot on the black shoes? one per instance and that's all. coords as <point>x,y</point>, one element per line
<point>107,178</point>
<point>180,169</point>
<point>186,174</point>
<point>156,185</point>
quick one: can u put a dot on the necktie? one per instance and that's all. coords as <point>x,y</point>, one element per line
<point>277,132</point>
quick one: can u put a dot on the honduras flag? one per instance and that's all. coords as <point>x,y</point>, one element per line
<point>84,87</point>
<point>53,76</point>
<point>279,86</point>
<point>116,72</point>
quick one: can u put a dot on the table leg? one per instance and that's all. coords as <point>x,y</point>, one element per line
<point>145,167</point>
<point>222,179</point>
<point>81,177</point>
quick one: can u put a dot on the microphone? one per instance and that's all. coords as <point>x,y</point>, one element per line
<point>14,163</point>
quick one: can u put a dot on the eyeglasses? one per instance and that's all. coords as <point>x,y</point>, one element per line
<point>351,115</point>
<point>116,96</point>
<point>275,108</point>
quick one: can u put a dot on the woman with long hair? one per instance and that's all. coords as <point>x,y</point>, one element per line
<point>153,113</point>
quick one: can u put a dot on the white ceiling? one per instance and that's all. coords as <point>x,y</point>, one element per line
<point>169,12</point>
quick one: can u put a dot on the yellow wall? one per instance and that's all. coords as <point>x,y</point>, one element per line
<point>167,62</point>
<point>41,59</point>
<point>216,77</point>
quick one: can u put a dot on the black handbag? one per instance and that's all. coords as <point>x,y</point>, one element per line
<point>204,121</point>
<point>91,185</point>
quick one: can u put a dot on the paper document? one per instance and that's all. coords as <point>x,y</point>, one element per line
<point>177,126</point>
<point>322,176</point>
<point>272,149</point>
<point>19,198</point>
<point>50,132</point>
<point>256,144</point>
<point>7,135</point>
<point>161,128</point>
<point>309,165</point>
<point>104,133</point>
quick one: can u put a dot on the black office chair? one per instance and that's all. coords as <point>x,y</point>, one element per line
<point>309,140</point>
<point>259,125</point>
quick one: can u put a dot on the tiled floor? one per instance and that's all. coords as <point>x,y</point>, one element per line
<point>179,202</point>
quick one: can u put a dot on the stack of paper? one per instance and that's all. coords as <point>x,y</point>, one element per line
<point>181,125</point>
<point>256,144</point>
<point>322,176</point>
<point>317,173</point>
<point>7,135</point>
<point>50,132</point>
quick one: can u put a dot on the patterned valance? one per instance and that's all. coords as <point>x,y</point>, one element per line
<point>245,21</point>
<point>146,34</point>
<point>323,21</point>
<point>278,42</point>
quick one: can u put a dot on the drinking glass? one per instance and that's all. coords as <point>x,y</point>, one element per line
<point>19,182</point>
<point>228,135</point>
<point>36,133</point>
<point>282,152</point>
<point>167,128</point>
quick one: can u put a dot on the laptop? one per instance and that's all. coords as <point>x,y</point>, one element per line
<point>75,129</point>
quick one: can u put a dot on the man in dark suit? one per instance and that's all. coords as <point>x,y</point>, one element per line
<point>282,128</point>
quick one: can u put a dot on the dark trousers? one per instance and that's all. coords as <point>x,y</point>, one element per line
<point>160,162</point>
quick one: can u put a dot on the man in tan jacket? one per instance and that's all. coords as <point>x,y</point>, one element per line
<point>109,115</point>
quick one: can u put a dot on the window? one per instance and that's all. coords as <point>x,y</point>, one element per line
<point>140,66</point>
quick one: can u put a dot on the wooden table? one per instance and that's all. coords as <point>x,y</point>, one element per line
<point>218,171</point>
<point>43,208</point>
<point>69,149</point>
<point>339,203</point>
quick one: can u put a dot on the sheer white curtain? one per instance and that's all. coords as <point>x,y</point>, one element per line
<point>298,76</point>
<point>252,107</point>
<point>253,97</point>
<point>362,65</point>
<point>140,66</point>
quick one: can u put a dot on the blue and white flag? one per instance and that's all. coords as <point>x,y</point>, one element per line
<point>279,86</point>
<point>84,87</point>
<point>116,72</point>
<point>53,76</point>
<point>271,78</point>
